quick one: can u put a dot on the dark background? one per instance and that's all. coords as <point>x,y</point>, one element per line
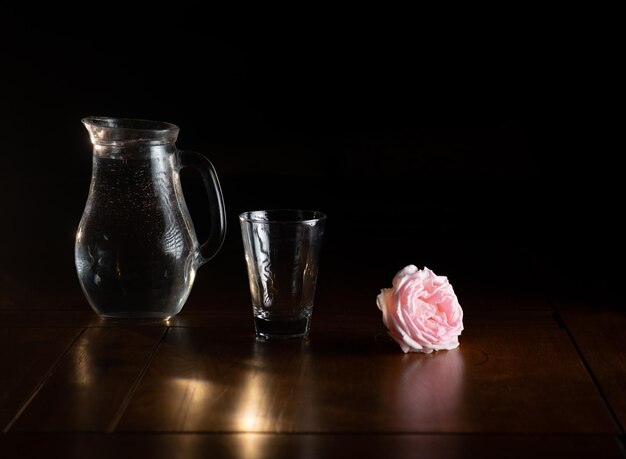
<point>471,144</point>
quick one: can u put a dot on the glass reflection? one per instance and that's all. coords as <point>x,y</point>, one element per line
<point>254,407</point>
<point>83,365</point>
<point>253,410</point>
<point>253,446</point>
<point>270,402</point>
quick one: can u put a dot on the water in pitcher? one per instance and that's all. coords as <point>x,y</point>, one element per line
<point>134,248</point>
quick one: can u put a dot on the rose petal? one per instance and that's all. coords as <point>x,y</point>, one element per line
<point>421,311</point>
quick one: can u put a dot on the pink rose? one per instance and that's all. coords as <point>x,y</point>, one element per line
<point>421,311</point>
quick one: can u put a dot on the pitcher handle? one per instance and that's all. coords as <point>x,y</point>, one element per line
<point>216,202</point>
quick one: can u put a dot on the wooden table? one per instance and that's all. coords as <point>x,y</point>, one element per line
<point>536,375</point>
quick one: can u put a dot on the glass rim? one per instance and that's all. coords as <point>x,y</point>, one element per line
<point>129,124</point>
<point>310,216</point>
<point>112,131</point>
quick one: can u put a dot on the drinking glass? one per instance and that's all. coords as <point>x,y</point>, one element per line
<point>282,255</point>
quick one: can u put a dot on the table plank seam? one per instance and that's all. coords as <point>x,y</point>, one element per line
<point>621,440</point>
<point>295,433</point>
<point>133,388</point>
<point>137,434</point>
<point>558,319</point>
<point>41,383</point>
<point>590,371</point>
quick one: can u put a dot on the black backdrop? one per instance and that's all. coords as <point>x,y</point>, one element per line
<point>422,135</point>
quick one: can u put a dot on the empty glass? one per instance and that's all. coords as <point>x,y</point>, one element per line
<point>136,248</point>
<point>282,255</point>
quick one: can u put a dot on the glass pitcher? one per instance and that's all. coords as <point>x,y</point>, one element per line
<point>136,248</point>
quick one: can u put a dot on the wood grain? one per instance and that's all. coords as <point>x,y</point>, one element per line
<point>348,377</point>
<point>260,446</point>
<point>50,319</point>
<point>92,381</point>
<point>28,286</point>
<point>26,356</point>
<point>600,334</point>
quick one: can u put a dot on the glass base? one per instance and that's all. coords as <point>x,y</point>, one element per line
<point>136,317</point>
<point>282,328</point>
